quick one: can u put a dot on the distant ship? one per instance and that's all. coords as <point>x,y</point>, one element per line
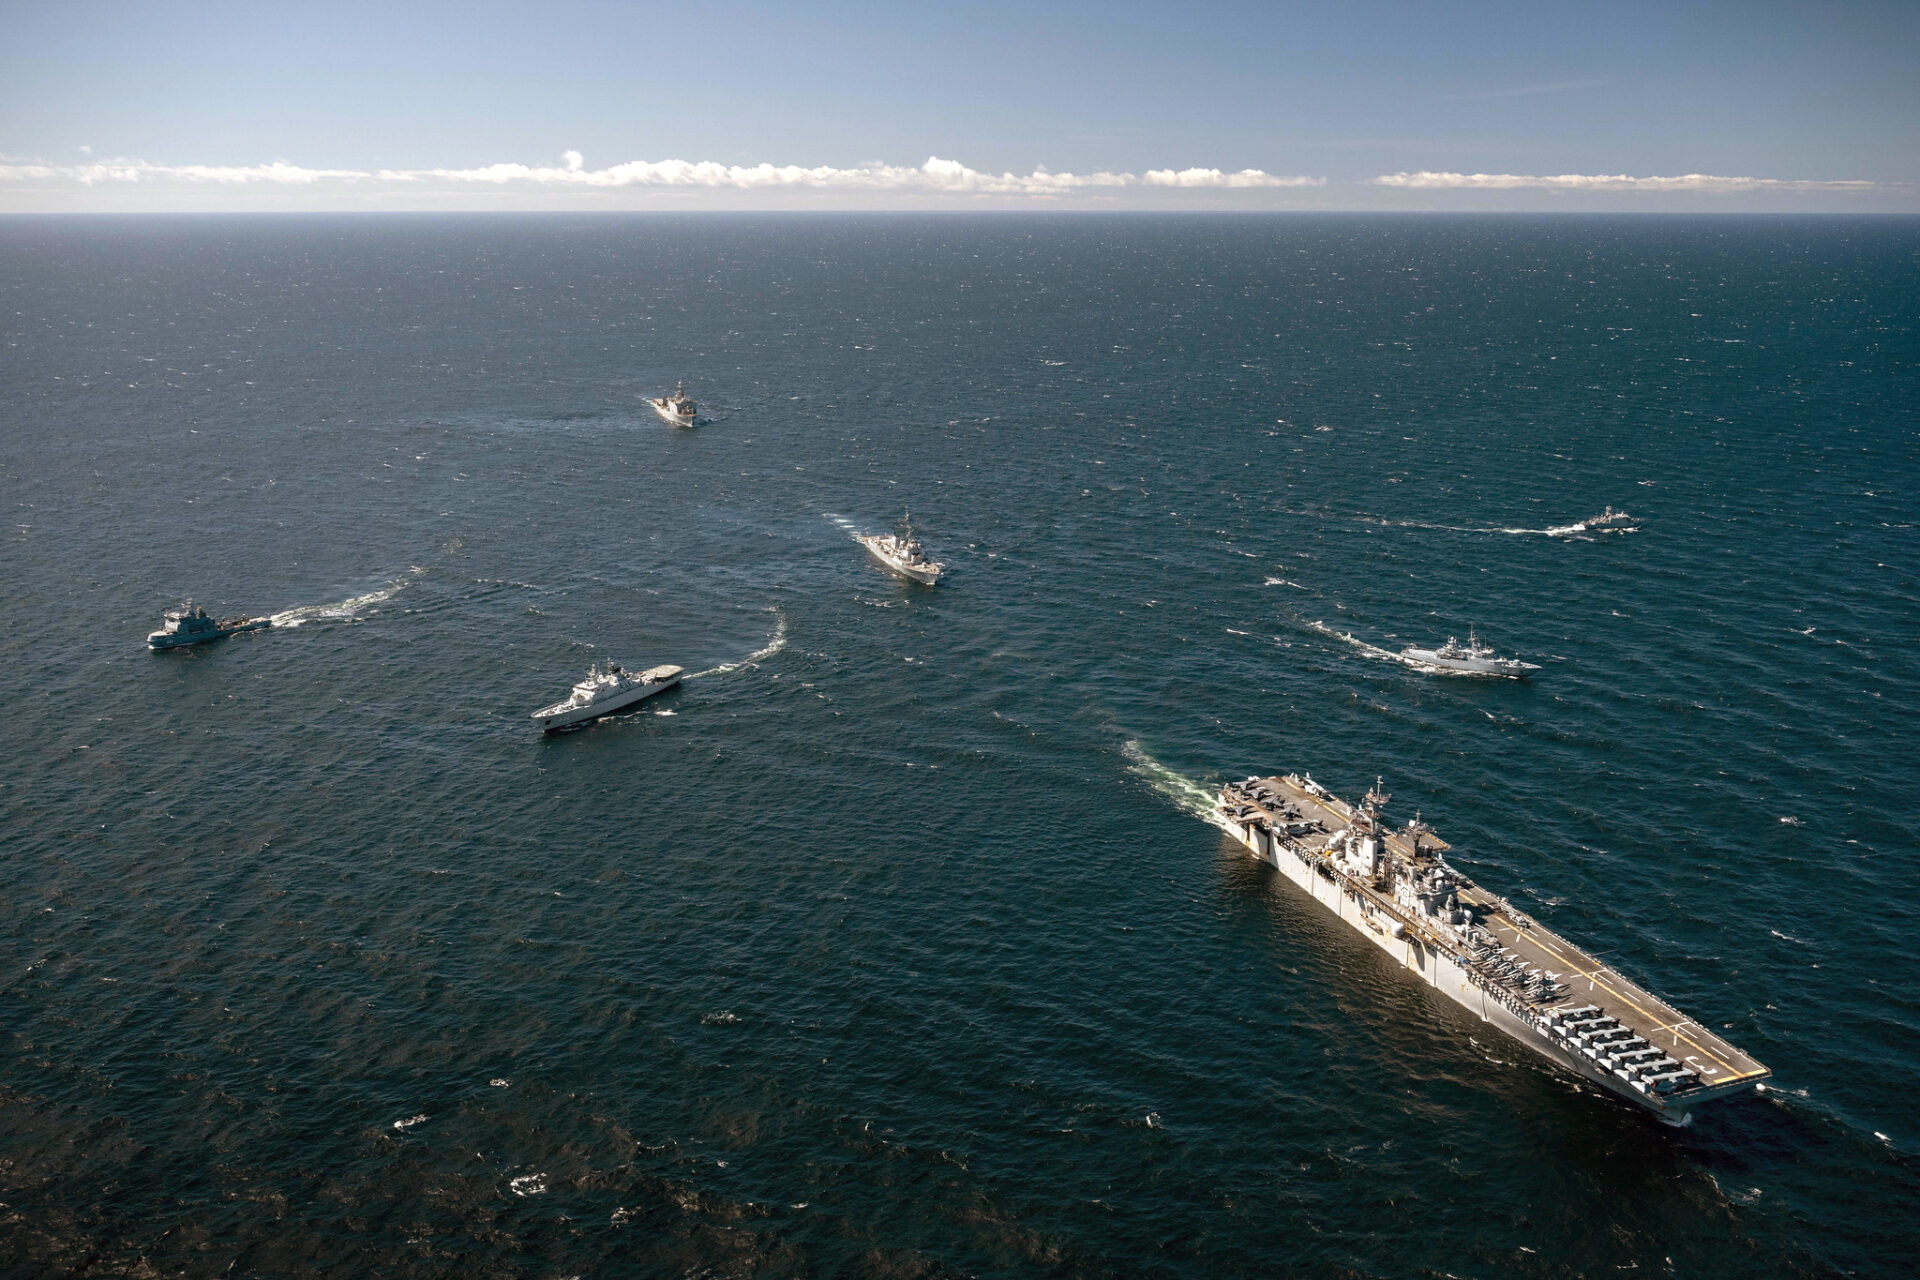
<point>1602,523</point>
<point>677,408</point>
<point>605,691</point>
<point>1471,656</point>
<point>1397,890</point>
<point>901,553</point>
<point>188,625</point>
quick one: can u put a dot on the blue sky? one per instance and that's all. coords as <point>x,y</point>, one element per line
<point>1676,106</point>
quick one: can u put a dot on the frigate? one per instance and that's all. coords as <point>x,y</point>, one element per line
<point>1397,890</point>
<point>1472,657</point>
<point>604,691</point>
<point>902,553</point>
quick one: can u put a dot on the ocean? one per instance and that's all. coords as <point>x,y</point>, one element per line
<point>897,942</point>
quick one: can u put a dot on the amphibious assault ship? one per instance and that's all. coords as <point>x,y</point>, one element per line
<point>1398,891</point>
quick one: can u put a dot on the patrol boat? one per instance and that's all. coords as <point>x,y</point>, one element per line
<point>1397,890</point>
<point>903,554</point>
<point>605,691</point>
<point>677,408</point>
<point>1602,523</point>
<point>1472,657</point>
<point>188,625</point>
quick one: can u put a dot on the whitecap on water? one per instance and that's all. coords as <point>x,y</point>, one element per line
<point>410,1121</point>
<point>529,1184</point>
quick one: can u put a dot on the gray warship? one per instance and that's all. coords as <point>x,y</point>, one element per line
<point>189,625</point>
<point>903,553</point>
<point>678,408</point>
<point>1472,658</point>
<point>1397,891</point>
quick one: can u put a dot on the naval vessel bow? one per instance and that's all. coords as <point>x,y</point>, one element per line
<point>1398,891</point>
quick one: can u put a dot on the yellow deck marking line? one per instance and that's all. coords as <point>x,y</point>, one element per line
<point>1593,978</point>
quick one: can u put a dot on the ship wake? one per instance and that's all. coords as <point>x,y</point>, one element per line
<point>754,659</point>
<point>350,610</point>
<point>1579,530</point>
<point>845,526</point>
<point>1183,791</point>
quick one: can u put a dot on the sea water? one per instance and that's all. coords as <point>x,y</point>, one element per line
<point>897,941</point>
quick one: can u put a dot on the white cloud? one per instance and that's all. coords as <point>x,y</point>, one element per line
<point>1430,181</point>
<point>936,176</point>
<point>1215,178</point>
<point>279,172</point>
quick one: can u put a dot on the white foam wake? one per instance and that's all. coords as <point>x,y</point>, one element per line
<point>346,610</point>
<point>1185,793</point>
<point>775,645</point>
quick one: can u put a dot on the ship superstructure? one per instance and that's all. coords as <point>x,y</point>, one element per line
<point>1397,890</point>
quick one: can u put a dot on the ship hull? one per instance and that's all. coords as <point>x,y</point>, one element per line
<point>582,715</point>
<point>676,419</point>
<point>172,640</point>
<point>1439,971</point>
<point>1472,666</point>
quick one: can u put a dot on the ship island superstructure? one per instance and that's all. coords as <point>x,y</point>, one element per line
<point>1397,890</point>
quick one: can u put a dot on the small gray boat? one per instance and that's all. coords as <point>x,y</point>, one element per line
<point>188,625</point>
